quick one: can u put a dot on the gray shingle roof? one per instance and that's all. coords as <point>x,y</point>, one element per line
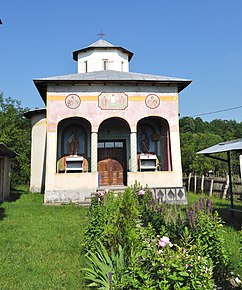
<point>109,76</point>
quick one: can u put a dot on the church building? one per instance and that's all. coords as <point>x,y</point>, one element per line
<point>106,127</point>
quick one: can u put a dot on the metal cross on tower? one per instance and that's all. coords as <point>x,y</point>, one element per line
<point>101,34</point>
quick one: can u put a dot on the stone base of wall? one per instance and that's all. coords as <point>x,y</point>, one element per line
<point>174,195</point>
<point>65,196</point>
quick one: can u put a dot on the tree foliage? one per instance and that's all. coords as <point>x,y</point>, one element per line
<point>15,133</point>
<point>197,135</point>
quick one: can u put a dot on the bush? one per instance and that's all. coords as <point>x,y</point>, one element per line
<point>112,220</point>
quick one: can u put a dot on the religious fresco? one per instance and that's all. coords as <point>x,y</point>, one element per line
<point>73,141</point>
<point>145,142</point>
<point>113,101</point>
<point>152,101</point>
<point>72,101</point>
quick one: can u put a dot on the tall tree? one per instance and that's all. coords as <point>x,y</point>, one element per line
<point>15,133</point>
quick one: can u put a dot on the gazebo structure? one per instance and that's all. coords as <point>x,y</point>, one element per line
<point>228,146</point>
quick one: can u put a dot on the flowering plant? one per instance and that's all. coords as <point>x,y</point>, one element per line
<point>164,241</point>
<point>141,192</point>
<point>101,194</point>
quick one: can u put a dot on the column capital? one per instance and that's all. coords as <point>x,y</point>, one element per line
<point>94,128</point>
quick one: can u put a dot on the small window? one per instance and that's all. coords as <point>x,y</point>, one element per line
<point>119,144</point>
<point>109,144</point>
<point>122,66</point>
<point>100,145</point>
<point>105,64</point>
<point>85,66</point>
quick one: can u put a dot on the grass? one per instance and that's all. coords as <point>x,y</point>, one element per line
<point>40,245</point>
<point>232,227</point>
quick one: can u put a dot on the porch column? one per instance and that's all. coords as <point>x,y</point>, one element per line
<point>94,152</point>
<point>133,152</point>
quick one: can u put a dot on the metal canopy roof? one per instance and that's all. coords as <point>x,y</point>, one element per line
<point>228,146</point>
<point>233,145</point>
<point>108,76</point>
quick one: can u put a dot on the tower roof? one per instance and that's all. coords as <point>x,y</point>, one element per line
<point>101,44</point>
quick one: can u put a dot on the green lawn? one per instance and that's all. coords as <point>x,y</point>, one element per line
<point>232,226</point>
<point>40,245</point>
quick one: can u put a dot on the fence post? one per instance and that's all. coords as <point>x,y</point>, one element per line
<point>226,186</point>
<point>202,184</point>
<point>195,183</point>
<point>189,182</point>
<point>211,187</point>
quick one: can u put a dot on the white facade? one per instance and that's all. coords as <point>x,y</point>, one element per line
<point>102,60</point>
<point>38,152</point>
<point>116,117</point>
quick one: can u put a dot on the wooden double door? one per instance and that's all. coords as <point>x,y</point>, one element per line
<point>112,164</point>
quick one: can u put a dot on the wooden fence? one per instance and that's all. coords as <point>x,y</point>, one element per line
<point>217,186</point>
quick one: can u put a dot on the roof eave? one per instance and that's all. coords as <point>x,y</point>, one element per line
<point>5,151</point>
<point>76,52</point>
<point>41,85</point>
<point>30,113</point>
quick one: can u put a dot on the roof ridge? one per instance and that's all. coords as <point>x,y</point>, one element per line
<point>101,43</point>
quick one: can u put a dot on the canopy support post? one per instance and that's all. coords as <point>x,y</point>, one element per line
<point>230,181</point>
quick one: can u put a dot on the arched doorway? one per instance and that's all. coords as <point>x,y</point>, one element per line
<point>113,152</point>
<point>153,137</point>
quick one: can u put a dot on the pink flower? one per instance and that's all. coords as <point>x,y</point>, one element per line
<point>100,193</point>
<point>164,241</point>
<point>162,244</point>
<point>141,192</point>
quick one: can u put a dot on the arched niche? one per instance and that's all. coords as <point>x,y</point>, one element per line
<point>153,137</point>
<point>73,139</point>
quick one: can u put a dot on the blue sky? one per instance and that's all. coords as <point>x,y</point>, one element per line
<point>197,40</point>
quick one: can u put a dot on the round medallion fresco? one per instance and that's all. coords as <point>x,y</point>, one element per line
<point>152,101</point>
<point>72,101</point>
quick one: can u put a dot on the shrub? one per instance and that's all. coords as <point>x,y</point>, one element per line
<point>138,225</point>
<point>112,219</point>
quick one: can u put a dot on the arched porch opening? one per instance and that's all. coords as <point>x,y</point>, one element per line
<point>113,151</point>
<point>73,145</point>
<point>153,138</point>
